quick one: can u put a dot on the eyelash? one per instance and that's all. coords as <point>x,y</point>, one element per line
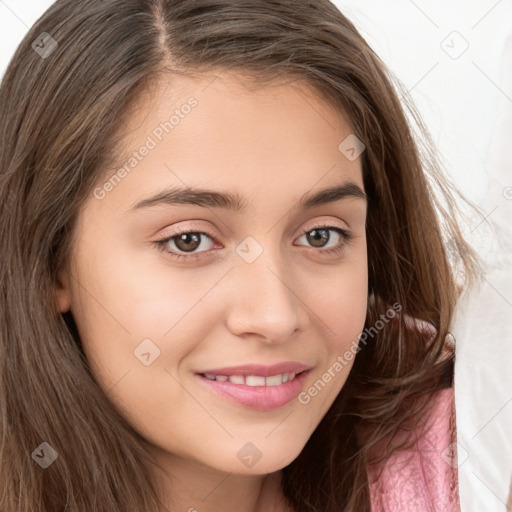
<point>346,237</point>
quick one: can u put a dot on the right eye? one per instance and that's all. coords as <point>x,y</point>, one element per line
<point>186,241</point>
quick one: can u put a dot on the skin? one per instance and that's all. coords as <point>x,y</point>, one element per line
<point>270,145</point>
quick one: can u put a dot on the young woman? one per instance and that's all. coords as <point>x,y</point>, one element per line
<point>225,277</point>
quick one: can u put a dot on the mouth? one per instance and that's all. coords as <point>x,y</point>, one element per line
<point>253,380</point>
<point>261,392</point>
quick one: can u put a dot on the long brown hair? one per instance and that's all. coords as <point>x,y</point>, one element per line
<point>60,106</point>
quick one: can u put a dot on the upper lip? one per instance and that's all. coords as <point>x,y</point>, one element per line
<point>259,369</point>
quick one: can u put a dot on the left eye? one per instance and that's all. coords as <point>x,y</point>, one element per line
<point>321,234</point>
<point>190,241</point>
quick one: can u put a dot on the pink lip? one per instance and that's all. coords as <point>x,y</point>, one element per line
<point>259,397</point>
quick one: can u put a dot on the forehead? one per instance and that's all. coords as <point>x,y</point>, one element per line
<point>227,102</point>
<point>227,131</point>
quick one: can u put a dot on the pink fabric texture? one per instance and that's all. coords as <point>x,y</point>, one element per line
<point>423,478</point>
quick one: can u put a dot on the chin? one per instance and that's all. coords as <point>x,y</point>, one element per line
<point>251,461</point>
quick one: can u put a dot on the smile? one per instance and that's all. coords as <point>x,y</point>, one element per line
<point>253,380</point>
<point>256,391</point>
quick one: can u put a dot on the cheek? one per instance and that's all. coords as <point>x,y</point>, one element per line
<point>341,302</point>
<point>130,298</point>
<point>137,322</point>
<point>122,317</point>
<point>340,307</point>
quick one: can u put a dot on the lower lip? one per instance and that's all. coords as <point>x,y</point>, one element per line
<point>259,397</point>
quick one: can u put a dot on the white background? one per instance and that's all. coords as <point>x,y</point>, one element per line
<point>466,102</point>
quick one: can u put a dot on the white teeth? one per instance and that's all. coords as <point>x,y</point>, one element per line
<point>274,380</point>
<point>253,380</point>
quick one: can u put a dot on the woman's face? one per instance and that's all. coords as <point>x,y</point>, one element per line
<point>264,277</point>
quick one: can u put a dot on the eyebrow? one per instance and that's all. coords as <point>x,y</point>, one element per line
<point>234,202</point>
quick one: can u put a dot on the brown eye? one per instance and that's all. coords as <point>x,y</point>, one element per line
<point>318,238</point>
<point>187,242</point>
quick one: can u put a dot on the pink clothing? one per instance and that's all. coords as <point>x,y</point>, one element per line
<point>422,479</point>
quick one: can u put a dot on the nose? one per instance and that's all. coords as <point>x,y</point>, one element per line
<point>267,300</point>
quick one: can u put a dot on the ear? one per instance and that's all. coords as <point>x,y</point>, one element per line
<point>62,291</point>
